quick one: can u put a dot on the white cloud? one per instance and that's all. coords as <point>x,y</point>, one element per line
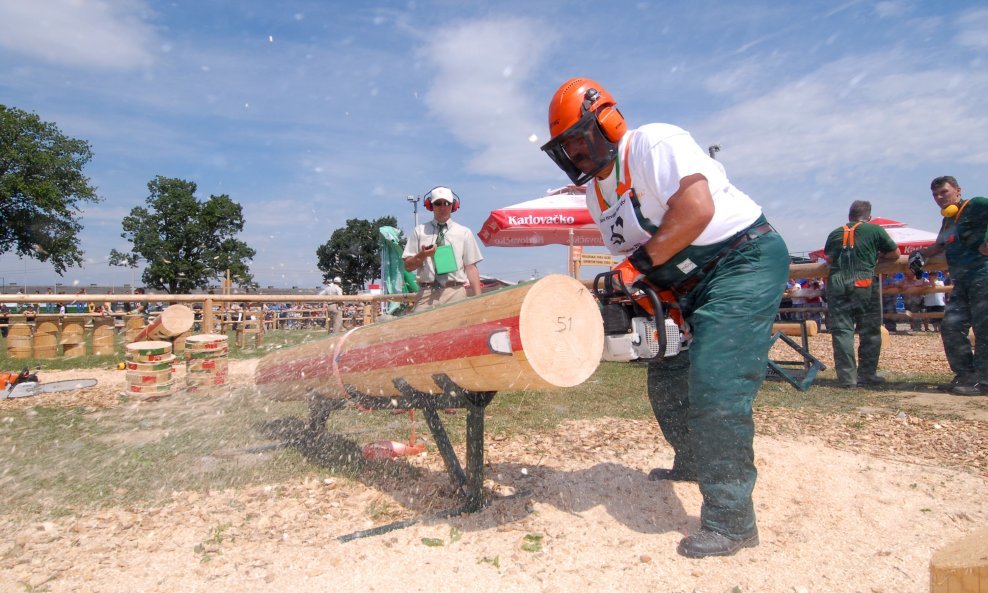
<point>843,7</point>
<point>87,33</point>
<point>875,126</point>
<point>870,111</point>
<point>972,29</point>
<point>481,92</point>
<point>888,9</point>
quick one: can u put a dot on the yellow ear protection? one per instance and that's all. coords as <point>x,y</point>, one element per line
<point>609,119</point>
<point>444,193</point>
<point>949,211</point>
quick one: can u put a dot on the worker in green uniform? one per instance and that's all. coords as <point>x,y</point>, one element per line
<point>854,294</point>
<point>964,238</point>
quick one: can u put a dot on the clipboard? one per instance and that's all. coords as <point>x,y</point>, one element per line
<point>444,260</point>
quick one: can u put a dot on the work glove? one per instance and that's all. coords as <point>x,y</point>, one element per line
<point>916,263</point>
<point>641,260</point>
<point>629,274</point>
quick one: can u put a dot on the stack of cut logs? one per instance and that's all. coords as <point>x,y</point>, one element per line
<point>46,340</point>
<point>104,336</point>
<point>19,341</point>
<point>206,361</point>
<point>73,339</point>
<point>150,368</point>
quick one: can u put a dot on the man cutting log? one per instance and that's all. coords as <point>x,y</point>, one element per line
<point>442,253</point>
<point>659,199</point>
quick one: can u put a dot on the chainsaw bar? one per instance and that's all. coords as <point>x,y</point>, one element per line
<point>31,388</point>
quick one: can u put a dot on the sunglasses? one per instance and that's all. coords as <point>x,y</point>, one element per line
<point>442,203</point>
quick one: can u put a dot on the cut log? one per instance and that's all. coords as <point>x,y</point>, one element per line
<point>795,329</point>
<point>171,322</point>
<point>961,567</point>
<point>820,270</point>
<point>539,335</point>
<point>104,341</point>
<point>19,341</point>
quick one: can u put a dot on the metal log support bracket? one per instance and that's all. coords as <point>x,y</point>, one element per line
<point>470,483</point>
<point>799,373</point>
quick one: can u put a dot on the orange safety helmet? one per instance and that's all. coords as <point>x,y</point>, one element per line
<point>586,126</point>
<point>441,193</point>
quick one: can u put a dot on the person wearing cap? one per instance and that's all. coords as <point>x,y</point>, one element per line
<point>442,253</point>
<point>963,238</point>
<point>854,295</point>
<point>661,201</point>
<point>333,289</point>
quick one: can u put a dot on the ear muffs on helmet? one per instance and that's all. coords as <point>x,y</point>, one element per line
<point>609,119</point>
<point>441,193</point>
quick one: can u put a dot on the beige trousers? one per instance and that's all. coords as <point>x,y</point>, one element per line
<point>337,316</point>
<point>430,297</point>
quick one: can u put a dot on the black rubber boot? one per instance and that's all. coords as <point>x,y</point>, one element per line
<point>675,474</point>
<point>710,543</point>
<point>871,379</point>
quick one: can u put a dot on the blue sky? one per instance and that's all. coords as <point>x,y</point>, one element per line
<point>310,113</point>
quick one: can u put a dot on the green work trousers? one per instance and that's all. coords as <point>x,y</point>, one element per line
<point>855,309</point>
<point>967,308</point>
<point>703,399</point>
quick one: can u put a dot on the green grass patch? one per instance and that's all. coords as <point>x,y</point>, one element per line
<point>57,460</point>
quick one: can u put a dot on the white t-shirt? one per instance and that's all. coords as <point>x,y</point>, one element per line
<point>935,299</point>
<point>795,293</point>
<point>660,156</point>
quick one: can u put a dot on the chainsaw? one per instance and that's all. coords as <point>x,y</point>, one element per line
<point>25,384</point>
<point>641,322</point>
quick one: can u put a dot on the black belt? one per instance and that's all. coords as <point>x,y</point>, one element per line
<point>447,284</point>
<point>746,235</point>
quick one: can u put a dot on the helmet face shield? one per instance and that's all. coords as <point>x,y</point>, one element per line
<point>582,150</point>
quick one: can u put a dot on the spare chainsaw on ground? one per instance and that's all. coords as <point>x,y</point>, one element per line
<point>27,384</point>
<point>641,322</point>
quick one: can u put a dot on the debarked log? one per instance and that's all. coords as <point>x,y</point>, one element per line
<point>174,320</point>
<point>796,328</point>
<point>538,335</point>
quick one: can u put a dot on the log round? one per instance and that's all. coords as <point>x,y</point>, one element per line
<point>539,335</point>
<point>173,321</point>
<point>961,566</point>
<point>796,328</point>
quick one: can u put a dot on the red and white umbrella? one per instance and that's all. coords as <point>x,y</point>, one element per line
<point>558,218</point>
<point>908,239</point>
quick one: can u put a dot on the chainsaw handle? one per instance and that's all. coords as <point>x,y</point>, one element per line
<point>604,286</point>
<point>658,314</point>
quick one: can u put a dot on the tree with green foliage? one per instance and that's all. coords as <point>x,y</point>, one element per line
<point>186,244</point>
<point>41,189</point>
<point>352,252</point>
